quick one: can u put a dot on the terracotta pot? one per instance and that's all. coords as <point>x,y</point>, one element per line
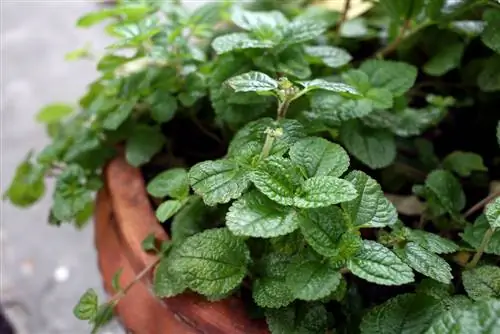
<point>123,218</point>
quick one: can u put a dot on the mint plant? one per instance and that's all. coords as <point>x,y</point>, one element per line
<point>270,136</point>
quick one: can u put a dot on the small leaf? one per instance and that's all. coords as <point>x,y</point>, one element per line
<point>380,98</point>
<point>163,108</point>
<point>331,56</point>
<point>371,208</point>
<point>167,209</point>
<point>144,143</point>
<point>239,41</point>
<point>377,264</point>
<point>335,87</point>
<point>173,183</point>
<point>432,242</point>
<point>86,308</point>
<point>211,262</point>
<point>445,59</point>
<point>149,243</point>
<point>403,314</point>
<point>320,157</point>
<point>492,213</point>
<point>473,234</point>
<point>321,191</point>
<point>490,35</point>
<point>103,316</point>
<point>218,181</point>
<point>374,147</point>
<point>27,186</point>
<point>397,77</point>
<point>302,30</point>
<point>252,82</point>
<point>426,263</point>
<point>54,113</point>
<point>166,283</point>
<point>312,279</point>
<point>254,20</point>
<point>488,79</point>
<point>310,319</point>
<point>257,216</point>
<point>191,219</point>
<point>115,282</point>
<point>333,108</point>
<point>446,189</point>
<point>482,282</point>
<point>464,163</point>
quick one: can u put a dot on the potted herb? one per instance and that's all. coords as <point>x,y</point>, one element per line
<point>286,168</point>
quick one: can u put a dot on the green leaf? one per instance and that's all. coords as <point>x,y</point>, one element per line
<point>479,318</point>
<point>445,59</point>
<point>302,30</point>
<point>53,113</point>
<point>144,143</point>
<point>27,186</point>
<point>332,108</point>
<point>380,98</point>
<point>335,87</point>
<point>426,263</point>
<point>310,279</point>
<point>165,282</point>
<point>255,20</point>
<point>239,41</point>
<point>492,213</point>
<point>403,314</point>
<point>191,219</point>
<point>149,243</point>
<point>130,12</point>
<point>173,183</point>
<point>377,264</point>
<point>322,228</point>
<point>321,191</point>
<point>211,262</point>
<point>257,216</point>
<point>374,147</point>
<point>318,156</point>
<point>491,33</point>
<point>86,308</point>
<point>218,181</point>
<point>397,77</point>
<point>252,82</point>
<point>330,56</point>
<point>446,189</point>
<point>464,163</point>
<point>432,242</point>
<point>163,108</point>
<point>117,115</point>
<point>473,234</point>
<point>371,208</point>
<point>488,79</point>
<point>291,62</point>
<point>310,319</point>
<point>482,282</point>
<point>167,209</point>
<point>103,316</point>
<point>115,282</point>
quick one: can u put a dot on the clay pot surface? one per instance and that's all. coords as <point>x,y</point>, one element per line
<point>123,219</point>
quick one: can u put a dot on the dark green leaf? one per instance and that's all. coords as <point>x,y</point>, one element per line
<point>432,242</point>
<point>473,234</point>
<point>464,163</point>
<point>491,33</point>
<point>397,77</point>
<point>173,183</point>
<point>164,108</point>
<point>446,189</point>
<point>144,143</point>
<point>191,219</point>
<point>103,316</point>
<point>489,77</point>
<point>426,263</point>
<point>321,191</point>
<point>482,282</point>
<point>86,308</point>
<point>149,243</point>
<point>311,319</point>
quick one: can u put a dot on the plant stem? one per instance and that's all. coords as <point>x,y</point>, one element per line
<point>347,7</point>
<point>482,247</point>
<point>479,205</point>
<point>282,108</point>
<point>393,46</point>
<point>268,144</point>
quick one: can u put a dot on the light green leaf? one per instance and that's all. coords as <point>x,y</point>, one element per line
<point>474,233</point>
<point>322,228</point>
<point>167,209</point>
<point>218,181</point>
<point>86,308</point>
<point>333,108</point>
<point>144,143</point>
<point>301,30</point>
<point>173,183</point>
<point>479,318</point>
<point>319,156</point>
<point>255,215</point>
<point>403,314</point>
<point>482,282</point>
<point>374,147</point>
<point>464,163</point>
<point>397,77</point>
<point>445,59</point>
<point>211,262</point>
<point>335,87</point>
<point>130,12</point>
<point>371,208</point>
<point>426,263</point>
<point>255,20</point>
<point>377,264</point>
<point>380,98</point>
<point>252,82</point>
<point>53,113</point>
<point>446,189</point>
<point>163,108</point>
<point>331,56</point>
<point>239,41</point>
<point>27,186</point>
<point>432,242</point>
<point>312,279</point>
<point>321,191</point>
<point>310,319</point>
<point>492,213</point>
<point>491,33</point>
<point>166,283</point>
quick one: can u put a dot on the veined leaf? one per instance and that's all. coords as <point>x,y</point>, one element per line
<point>239,41</point>
<point>335,87</point>
<point>321,191</point>
<point>464,163</point>
<point>254,20</point>
<point>473,234</point>
<point>310,319</point>
<point>331,56</point>
<point>252,82</point>
<point>173,183</point>
<point>397,77</point>
<point>482,282</point>
<point>432,242</point>
<point>492,213</point>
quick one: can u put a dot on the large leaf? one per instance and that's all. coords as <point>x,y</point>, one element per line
<point>464,163</point>
<point>166,282</point>
<point>27,186</point>
<point>491,34</point>
<point>256,215</point>
<point>321,191</point>
<point>212,262</point>
<point>144,143</point>
<point>331,56</point>
<point>333,108</point>
<point>173,183</point>
<point>239,41</point>
<point>445,59</point>
<point>252,82</point>
<point>374,147</point>
<point>371,208</point>
<point>318,156</point>
<point>377,264</point>
<point>218,181</point>
<point>482,282</point>
<point>432,242</point>
<point>301,30</point>
<point>193,218</point>
<point>258,20</point>
<point>310,319</point>
<point>492,213</point>
<point>397,77</point>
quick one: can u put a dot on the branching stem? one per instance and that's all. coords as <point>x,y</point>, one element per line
<point>393,46</point>
<point>484,243</point>
<point>347,7</point>
<point>479,205</point>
